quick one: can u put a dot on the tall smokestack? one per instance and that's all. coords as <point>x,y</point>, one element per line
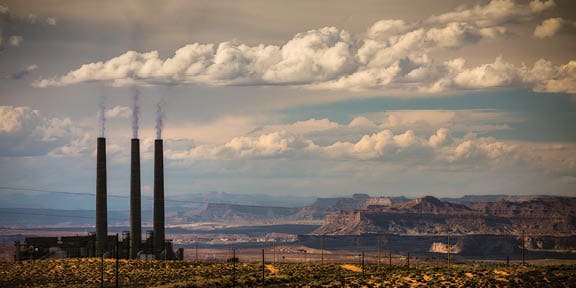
<point>101,198</point>
<point>135,207</point>
<point>158,197</point>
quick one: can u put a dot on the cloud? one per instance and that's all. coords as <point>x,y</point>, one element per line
<point>439,148</point>
<point>15,41</point>
<point>123,112</point>
<point>392,55</point>
<point>51,21</point>
<point>548,28</point>
<point>23,73</point>
<point>547,77</point>
<point>4,9</point>
<point>276,145</point>
<point>304,127</point>
<point>495,13</point>
<point>26,132</point>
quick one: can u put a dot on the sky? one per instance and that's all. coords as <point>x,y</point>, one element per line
<point>289,98</point>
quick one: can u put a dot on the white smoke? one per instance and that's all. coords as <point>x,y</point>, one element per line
<point>102,116</point>
<point>159,118</point>
<point>135,112</point>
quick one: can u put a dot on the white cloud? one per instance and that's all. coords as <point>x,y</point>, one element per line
<point>26,132</point>
<point>440,138</point>
<point>428,121</point>
<point>302,127</point>
<point>275,144</point>
<point>548,28</point>
<point>549,78</point>
<point>32,18</point>
<point>362,122</point>
<point>4,9</point>
<point>392,55</point>
<point>495,13</point>
<point>123,112</point>
<point>406,147</point>
<point>15,41</point>
<point>51,21</point>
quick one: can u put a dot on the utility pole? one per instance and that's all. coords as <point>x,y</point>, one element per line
<point>196,251</point>
<point>379,251</point>
<point>390,259</point>
<point>322,249</point>
<point>274,252</point>
<point>523,247</point>
<point>408,261</point>
<point>234,267</point>
<point>449,250</point>
<point>363,268</point>
<point>263,268</point>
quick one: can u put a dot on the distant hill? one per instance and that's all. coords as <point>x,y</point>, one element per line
<point>429,216</point>
<point>232,213</point>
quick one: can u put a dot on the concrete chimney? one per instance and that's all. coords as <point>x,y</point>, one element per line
<point>101,198</point>
<point>135,200</point>
<point>158,197</point>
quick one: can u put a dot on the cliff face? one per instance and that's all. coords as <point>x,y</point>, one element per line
<point>230,213</point>
<point>429,216</point>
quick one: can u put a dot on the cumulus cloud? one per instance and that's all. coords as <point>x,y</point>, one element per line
<point>4,9</point>
<point>438,148</point>
<point>123,112</point>
<point>547,77</point>
<point>26,132</point>
<point>302,127</point>
<point>276,144</point>
<point>15,41</point>
<point>495,13</point>
<point>51,21</point>
<point>391,55</point>
<point>548,28</point>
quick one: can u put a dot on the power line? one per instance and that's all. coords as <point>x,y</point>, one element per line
<point>143,198</point>
<point>45,214</point>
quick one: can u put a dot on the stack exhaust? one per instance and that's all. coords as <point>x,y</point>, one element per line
<point>158,241</point>
<point>101,198</point>
<point>135,199</point>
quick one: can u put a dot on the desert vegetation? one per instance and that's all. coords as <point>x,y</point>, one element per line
<point>137,273</point>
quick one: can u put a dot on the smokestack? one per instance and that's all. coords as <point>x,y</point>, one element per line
<point>101,198</point>
<point>135,207</point>
<point>158,197</point>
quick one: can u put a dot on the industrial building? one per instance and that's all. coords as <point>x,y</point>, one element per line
<point>129,245</point>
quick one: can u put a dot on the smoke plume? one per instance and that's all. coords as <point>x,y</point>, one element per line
<point>159,118</point>
<point>135,112</point>
<point>102,116</point>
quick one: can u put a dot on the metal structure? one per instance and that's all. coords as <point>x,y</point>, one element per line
<point>101,198</point>
<point>135,200</point>
<point>159,236</point>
